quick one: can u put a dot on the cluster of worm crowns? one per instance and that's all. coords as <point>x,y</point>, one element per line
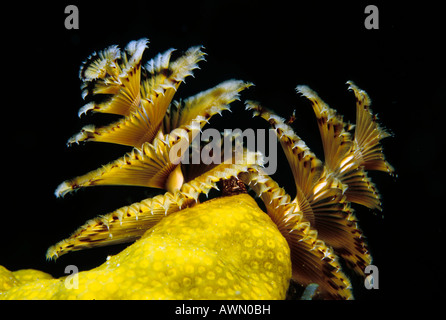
<point>318,224</point>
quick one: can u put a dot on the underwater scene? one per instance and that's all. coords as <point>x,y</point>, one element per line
<point>222,151</point>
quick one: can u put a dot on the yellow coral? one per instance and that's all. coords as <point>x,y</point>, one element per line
<point>209,251</point>
<point>223,248</point>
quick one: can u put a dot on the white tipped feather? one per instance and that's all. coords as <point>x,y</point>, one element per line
<point>84,109</point>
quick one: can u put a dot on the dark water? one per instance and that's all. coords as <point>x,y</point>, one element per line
<point>276,47</point>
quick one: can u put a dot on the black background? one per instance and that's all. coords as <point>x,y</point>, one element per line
<point>275,45</point>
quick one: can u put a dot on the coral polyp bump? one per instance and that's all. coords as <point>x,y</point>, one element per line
<point>227,247</point>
